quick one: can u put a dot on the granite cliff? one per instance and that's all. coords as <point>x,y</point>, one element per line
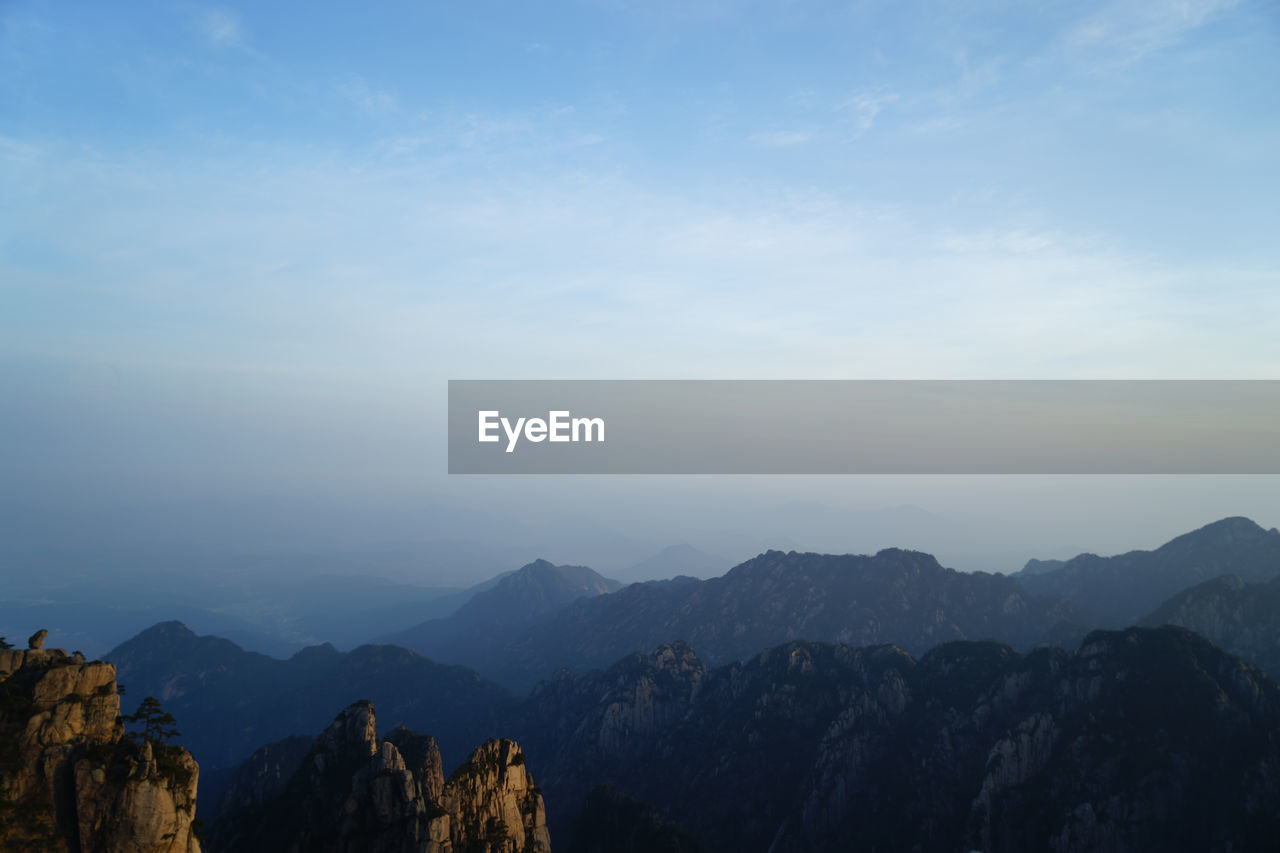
<point>354,792</point>
<point>70,779</point>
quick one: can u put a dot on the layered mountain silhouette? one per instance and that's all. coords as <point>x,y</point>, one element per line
<point>1120,590</point>
<point>230,702</point>
<point>674,561</point>
<point>894,596</point>
<point>869,657</point>
<point>478,633</point>
<point>898,596</point>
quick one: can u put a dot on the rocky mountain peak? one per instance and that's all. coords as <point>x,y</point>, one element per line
<point>1224,533</point>
<point>71,780</point>
<point>353,792</point>
<point>421,756</point>
<point>171,630</point>
<point>354,729</point>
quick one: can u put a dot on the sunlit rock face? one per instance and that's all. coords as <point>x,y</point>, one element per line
<point>354,792</point>
<point>69,779</point>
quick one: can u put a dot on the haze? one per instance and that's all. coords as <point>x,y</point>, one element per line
<point>242,250</point>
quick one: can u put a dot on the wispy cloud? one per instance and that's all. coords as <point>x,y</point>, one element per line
<point>1125,31</point>
<point>493,259</point>
<point>374,102</point>
<point>866,107</point>
<point>1009,242</point>
<point>222,26</point>
<point>781,138</point>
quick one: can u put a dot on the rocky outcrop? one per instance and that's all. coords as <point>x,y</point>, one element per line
<point>354,792</point>
<point>69,778</point>
<point>493,804</point>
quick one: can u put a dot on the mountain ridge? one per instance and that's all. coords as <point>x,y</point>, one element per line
<point>232,701</point>
<point>476,633</point>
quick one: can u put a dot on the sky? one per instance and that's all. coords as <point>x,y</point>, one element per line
<point>243,248</point>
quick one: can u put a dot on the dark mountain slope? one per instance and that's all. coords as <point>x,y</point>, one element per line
<point>611,822</point>
<point>1146,739</point>
<point>1243,618</point>
<point>1124,588</point>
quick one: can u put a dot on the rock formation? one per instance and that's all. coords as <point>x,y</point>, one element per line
<point>354,792</point>
<point>69,778</point>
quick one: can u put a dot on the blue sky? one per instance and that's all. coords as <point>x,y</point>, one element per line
<point>243,246</point>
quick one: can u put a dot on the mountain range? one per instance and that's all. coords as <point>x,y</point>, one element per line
<point>722,706</point>
<point>230,701</point>
<point>898,596</point>
<point>479,632</point>
<point>1139,740</point>
<point>1120,590</point>
<point>542,617</point>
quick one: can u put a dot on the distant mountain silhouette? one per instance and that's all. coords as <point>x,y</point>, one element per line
<point>229,702</point>
<point>674,561</point>
<point>1122,589</point>
<point>477,633</point>
<point>897,596</point>
<point>1040,567</point>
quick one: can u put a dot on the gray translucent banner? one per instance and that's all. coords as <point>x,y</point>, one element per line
<point>864,427</point>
